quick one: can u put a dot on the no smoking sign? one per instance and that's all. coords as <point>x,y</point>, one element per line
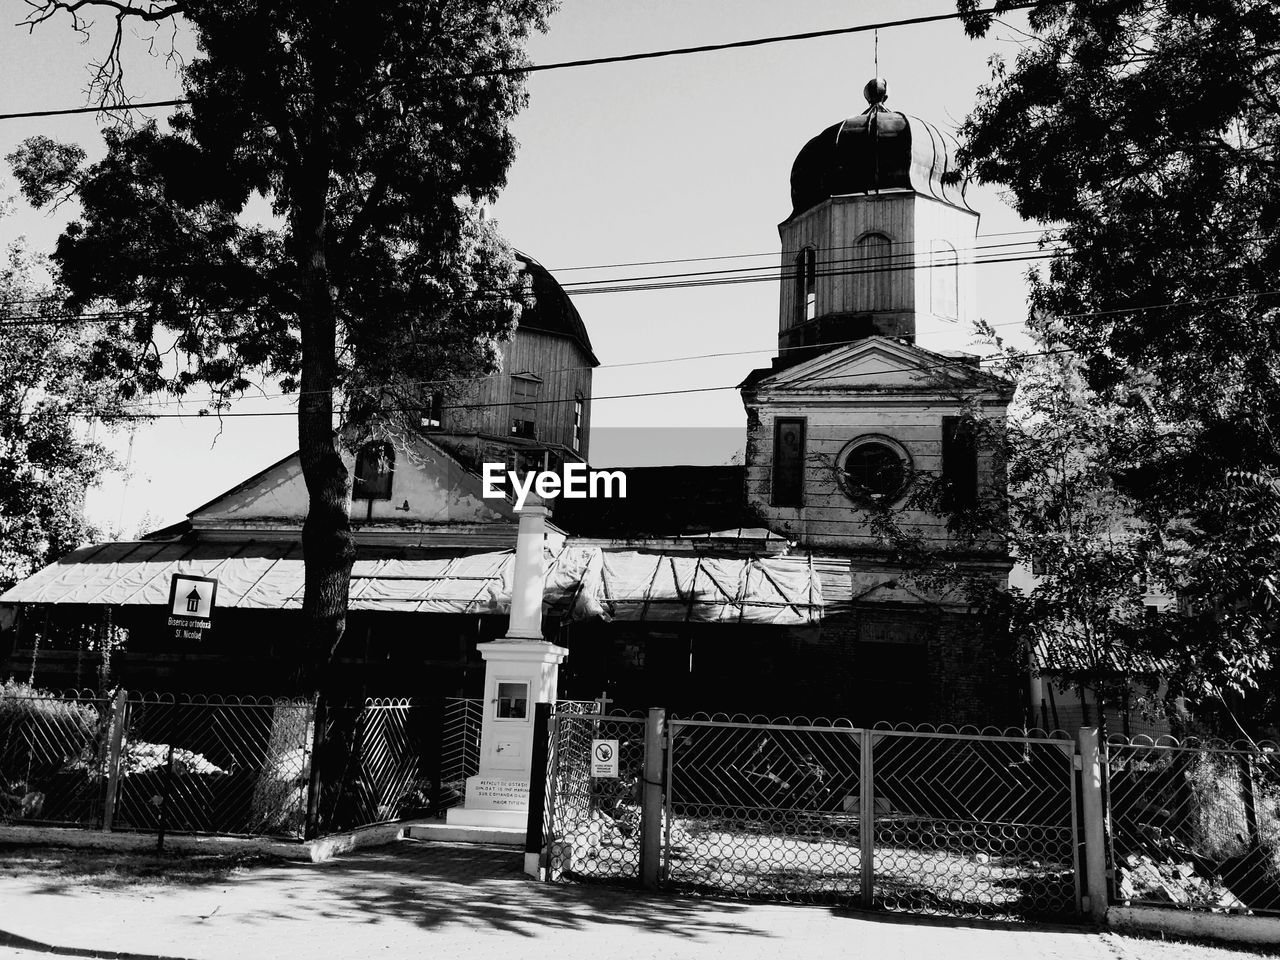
<point>604,758</point>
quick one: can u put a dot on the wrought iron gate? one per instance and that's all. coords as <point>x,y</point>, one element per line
<point>942,822</point>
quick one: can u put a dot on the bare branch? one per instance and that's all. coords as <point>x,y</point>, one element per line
<point>106,85</point>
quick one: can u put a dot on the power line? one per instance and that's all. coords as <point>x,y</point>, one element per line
<point>780,350</point>
<point>771,253</point>
<point>781,269</point>
<point>586,62</point>
<point>828,345</point>
<point>624,285</point>
<point>960,363</point>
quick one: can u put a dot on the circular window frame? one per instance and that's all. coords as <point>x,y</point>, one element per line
<point>860,495</point>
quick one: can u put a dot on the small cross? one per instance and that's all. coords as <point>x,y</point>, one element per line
<point>602,702</point>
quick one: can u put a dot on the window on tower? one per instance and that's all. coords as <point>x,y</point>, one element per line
<point>806,285</point>
<point>524,405</point>
<point>872,273</point>
<point>578,406</point>
<point>944,273</point>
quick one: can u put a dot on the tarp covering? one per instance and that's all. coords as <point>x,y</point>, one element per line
<point>583,582</point>
<point>633,585</point>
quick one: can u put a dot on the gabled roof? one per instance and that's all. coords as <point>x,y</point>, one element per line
<point>431,487</point>
<point>876,364</point>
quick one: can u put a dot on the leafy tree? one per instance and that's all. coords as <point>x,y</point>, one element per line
<point>46,460</point>
<point>1148,132</point>
<point>375,132</point>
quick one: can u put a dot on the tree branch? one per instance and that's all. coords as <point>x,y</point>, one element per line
<point>107,82</point>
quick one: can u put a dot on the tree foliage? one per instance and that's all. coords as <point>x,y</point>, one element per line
<point>375,132</point>
<point>1147,133</point>
<point>47,460</point>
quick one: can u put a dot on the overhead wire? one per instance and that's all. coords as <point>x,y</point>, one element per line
<point>583,62</point>
<point>964,363</point>
<point>781,269</point>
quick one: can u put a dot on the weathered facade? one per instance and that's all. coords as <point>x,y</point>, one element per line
<point>764,588</point>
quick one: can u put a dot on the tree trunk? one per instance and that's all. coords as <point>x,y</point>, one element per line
<point>328,548</point>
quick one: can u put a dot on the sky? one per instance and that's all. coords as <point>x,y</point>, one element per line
<point>665,159</point>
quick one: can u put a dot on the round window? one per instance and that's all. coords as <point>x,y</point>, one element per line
<point>874,470</point>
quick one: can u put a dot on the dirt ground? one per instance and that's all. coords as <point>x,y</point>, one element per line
<point>465,902</point>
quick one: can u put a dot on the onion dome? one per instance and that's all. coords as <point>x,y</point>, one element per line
<point>879,149</point>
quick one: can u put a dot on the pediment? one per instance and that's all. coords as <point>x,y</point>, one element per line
<point>428,486</point>
<point>879,363</point>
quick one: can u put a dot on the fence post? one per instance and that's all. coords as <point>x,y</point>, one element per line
<point>118,708</point>
<point>651,799</point>
<point>534,841</point>
<point>867,815</point>
<point>1094,862</point>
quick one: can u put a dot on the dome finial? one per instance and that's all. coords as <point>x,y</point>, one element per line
<point>876,91</point>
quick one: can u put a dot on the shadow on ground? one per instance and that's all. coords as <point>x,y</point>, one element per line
<point>430,885</point>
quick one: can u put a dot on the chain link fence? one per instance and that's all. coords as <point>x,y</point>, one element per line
<point>592,824</point>
<point>974,825</point>
<point>765,810</point>
<point>958,823</point>
<point>1195,824</point>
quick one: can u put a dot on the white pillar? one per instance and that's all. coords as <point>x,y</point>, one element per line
<point>520,670</point>
<point>527,578</point>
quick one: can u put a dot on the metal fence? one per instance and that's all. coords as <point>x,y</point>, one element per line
<point>592,824</point>
<point>373,763</point>
<point>225,765</point>
<point>1195,824</point>
<point>951,822</point>
<point>974,824</point>
<point>764,809</point>
<point>53,756</point>
<point>459,749</point>
<point>154,763</point>
<point>238,766</point>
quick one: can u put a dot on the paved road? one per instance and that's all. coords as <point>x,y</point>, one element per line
<point>461,902</point>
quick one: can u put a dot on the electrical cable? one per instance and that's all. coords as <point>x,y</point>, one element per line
<point>586,62</point>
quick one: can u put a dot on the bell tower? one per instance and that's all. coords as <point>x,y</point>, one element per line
<point>879,240</point>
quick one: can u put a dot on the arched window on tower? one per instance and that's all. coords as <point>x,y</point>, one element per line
<point>872,273</point>
<point>944,275</point>
<point>806,285</point>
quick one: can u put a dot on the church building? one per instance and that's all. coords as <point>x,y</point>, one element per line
<point>767,587</point>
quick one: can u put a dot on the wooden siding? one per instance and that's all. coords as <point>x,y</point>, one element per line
<point>564,369</point>
<point>899,297</point>
<point>829,518</point>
